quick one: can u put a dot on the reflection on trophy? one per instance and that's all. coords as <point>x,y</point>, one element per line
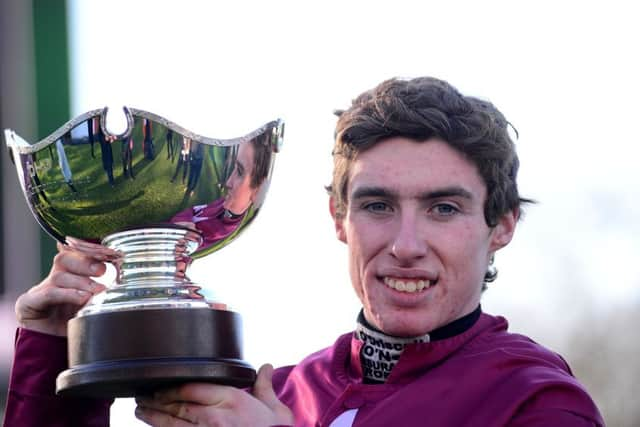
<point>160,196</point>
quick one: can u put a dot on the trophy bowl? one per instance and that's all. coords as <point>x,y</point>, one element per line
<point>160,196</point>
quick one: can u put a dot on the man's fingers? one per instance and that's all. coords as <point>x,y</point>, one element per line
<point>78,263</point>
<point>65,279</point>
<point>263,388</point>
<point>183,410</point>
<point>61,287</point>
<point>200,393</point>
<point>93,250</point>
<point>212,404</point>
<point>154,417</point>
<point>48,297</point>
<point>48,306</point>
<point>263,391</point>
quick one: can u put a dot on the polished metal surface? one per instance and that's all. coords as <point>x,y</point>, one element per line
<point>157,193</point>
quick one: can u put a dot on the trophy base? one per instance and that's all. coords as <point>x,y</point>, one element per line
<point>134,352</point>
<point>133,378</point>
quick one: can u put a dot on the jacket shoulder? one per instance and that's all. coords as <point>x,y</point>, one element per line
<point>315,365</point>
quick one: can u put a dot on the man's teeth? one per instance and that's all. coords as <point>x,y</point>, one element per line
<point>407,285</point>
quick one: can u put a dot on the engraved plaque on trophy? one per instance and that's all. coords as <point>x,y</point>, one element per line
<point>161,196</point>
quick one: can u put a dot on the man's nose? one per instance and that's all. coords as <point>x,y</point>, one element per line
<point>230,182</point>
<point>408,243</point>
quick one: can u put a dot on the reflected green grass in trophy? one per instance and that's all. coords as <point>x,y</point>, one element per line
<point>150,200</point>
<point>88,213</point>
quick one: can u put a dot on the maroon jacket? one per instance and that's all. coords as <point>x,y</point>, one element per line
<point>210,221</point>
<point>31,401</point>
<point>482,377</point>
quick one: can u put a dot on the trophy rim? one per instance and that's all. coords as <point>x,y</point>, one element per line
<point>14,141</point>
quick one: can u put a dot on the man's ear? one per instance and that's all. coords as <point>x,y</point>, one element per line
<point>503,232</point>
<point>338,221</point>
<point>257,195</point>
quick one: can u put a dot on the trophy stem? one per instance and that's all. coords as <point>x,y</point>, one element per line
<point>151,271</point>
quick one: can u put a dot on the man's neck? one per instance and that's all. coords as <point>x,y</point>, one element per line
<point>380,352</point>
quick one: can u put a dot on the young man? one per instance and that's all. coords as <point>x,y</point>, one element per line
<point>424,193</point>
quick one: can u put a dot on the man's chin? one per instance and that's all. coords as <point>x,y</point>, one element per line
<point>404,326</point>
<point>229,207</point>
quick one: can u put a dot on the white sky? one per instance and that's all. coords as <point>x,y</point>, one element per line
<point>564,73</point>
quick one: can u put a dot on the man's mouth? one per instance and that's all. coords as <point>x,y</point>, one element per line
<point>407,285</point>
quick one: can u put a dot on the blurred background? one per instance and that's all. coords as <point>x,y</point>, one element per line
<point>564,73</point>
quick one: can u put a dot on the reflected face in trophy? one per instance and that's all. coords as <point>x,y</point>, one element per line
<point>240,193</point>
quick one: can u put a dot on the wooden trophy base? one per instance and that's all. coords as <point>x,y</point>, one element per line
<point>134,352</point>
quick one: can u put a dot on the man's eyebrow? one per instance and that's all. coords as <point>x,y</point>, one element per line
<point>381,192</point>
<point>363,192</point>
<point>446,192</point>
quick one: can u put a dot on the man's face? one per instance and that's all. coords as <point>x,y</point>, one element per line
<point>239,192</point>
<point>418,242</point>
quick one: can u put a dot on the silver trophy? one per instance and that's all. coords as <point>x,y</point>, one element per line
<point>161,196</point>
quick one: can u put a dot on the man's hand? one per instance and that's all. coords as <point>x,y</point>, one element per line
<point>49,305</point>
<point>204,404</point>
<point>188,224</point>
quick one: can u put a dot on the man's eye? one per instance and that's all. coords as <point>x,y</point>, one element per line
<point>377,207</point>
<point>445,209</point>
